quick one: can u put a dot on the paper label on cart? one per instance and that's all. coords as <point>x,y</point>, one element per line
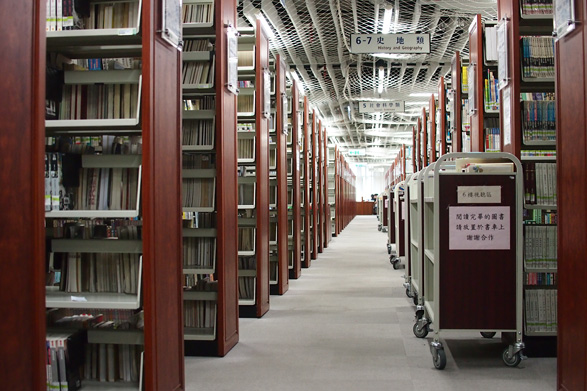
<point>479,194</point>
<point>479,227</point>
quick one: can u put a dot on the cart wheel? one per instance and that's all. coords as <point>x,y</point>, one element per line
<point>488,334</point>
<point>408,292</point>
<point>378,228</point>
<point>513,361</point>
<point>388,249</point>
<point>415,299</point>
<point>420,332</point>
<point>439,359</point>
<point>392,259</point>
<point>419,314</point>
<point>395,264</point>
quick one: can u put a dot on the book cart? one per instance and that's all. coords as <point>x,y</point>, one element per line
<point>390,219</point>
<point>414,289</point>
<point>472,215</point>
<point>380,212</point>
<point>397,219</point>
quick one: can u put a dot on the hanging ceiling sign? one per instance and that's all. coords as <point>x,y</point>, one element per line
<point>382,107</point>
<point>390,43</point>
<point>356,152</point>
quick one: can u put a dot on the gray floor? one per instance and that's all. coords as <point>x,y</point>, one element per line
<point>346,324</point>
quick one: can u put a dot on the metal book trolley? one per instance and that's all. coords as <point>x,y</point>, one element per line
<point>415,287</point>
<point>380,211</point>
<point>397,217</point>
<point>472,247</point>
<point>390,217</point>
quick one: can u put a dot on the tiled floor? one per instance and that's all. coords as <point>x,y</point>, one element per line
<point>346,324</point>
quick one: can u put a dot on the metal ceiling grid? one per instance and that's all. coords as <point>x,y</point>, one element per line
<point>314,37</point>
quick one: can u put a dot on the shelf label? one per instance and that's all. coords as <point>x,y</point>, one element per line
<point>78,299</point>
<point>382,107</point>
<point>479,227</point>
<point>390,43</point>
<point>479,194</point>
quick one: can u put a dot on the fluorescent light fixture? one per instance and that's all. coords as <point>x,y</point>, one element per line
<point>381,76</point>
<point>387,15</point>
<point>421,94</point>
<point>265,26</point>
<point>417,103</point>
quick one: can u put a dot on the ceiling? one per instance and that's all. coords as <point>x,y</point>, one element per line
<point>314,37</point>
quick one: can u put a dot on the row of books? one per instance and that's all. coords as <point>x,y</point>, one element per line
<point>528,153</point>
<point>492,140</point>
<point>246,194</point>
<point>198,192</point>
<point>124,229</point>
<point>59,15</point>
<point>541,310</point>
<point>99,273</point>
<point>491,92</point>
<point>199,314</point>
<point>113,363</point>
<point>198,72</point>
<point>539,216</point>
<point>112,15</point>
<point>197,45</point>
<point>464,80</point>
<point>246,58</point>
<point>103,64</point>
<point>540,279</point>
<point>247,263</point>
<point>245,127</point>
<point>246,239</point>
<point>537,7</point>
<point>207,102</point>
<point>246,149</point>
<point>540,183</point>
<point>199,253</point>
<point>537,57</point>
<point>246,84</point>
<point>68,187</point>
<point>246,288</point>
<point>199,220</point>
<point>539,120</point>
<point>86,318</point>
<point>540,247</point>
<point>200,283</point>
<point>490,41</point>
<point>99,101</point>
<point>198,161</point>
<point>105,145</point>
<point>245,104</point>
<point>198,132</point>
<point>198,13</point>
<point>64,358</point>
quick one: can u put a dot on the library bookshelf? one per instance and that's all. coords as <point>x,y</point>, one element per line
<point>530,91</point>
<point>294,182</point>
<point>254,279</point>
<point>209,152</point>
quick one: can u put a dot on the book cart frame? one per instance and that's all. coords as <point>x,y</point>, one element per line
<point>396,212</point>
<point>390,219</point>
<point>460,290</point>
<point>414,194</point>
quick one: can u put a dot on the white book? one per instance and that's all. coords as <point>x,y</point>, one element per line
<point>59,17</point>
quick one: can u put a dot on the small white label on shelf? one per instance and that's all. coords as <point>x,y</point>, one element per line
<point>129,31</point>
<point>78,298</point>
<point>479,227</point>
<point>479,194</point>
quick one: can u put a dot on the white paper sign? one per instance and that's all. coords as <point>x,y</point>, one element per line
<point>479,194</point>
<point>507,118</point>
<point>390,43</point>
<point>479,227</point>
<point>382,107</point>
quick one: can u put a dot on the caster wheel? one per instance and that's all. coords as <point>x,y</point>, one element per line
<point>511,361</point>
<point>392,259</point>
<point>419,314</point>
<point>488,334</point>
<point>388,249</point>
<point>415,299</point>
<point>408,292</point>
<point>439,359</point>
<point>379,228</point>
<point>420,332</point>
<point>395,265</point>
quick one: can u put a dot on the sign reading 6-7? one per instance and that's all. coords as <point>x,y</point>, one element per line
<point>390,43</point>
